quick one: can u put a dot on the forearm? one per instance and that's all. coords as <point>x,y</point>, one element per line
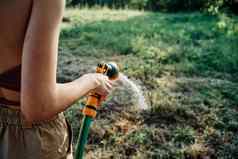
<point>55,99</point>
<point>69,93</point>
<point>51,99</point>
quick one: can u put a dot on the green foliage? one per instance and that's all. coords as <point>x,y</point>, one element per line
<point>183,136</point>
<point>168,151</point>
<point>177,5</point>
<point>229,150</point>
<point>138,4</point>
<point>187,65</point>
<point>140,137</point>
<point>213,6</point>
<point>192,43</point>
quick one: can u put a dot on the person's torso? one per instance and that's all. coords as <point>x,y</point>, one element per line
<point>14,17</point>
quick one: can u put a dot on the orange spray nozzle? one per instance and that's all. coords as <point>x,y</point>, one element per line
<point>112,71</point>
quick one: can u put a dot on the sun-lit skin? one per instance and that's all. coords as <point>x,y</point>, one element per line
<point>29,36</point>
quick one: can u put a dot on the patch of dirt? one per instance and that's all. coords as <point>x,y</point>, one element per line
<point>122,131</point>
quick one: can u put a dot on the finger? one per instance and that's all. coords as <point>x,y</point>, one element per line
<point>105,90</point>
<point>110,81</point>
<point>109,86</point>
<point>101,91</point>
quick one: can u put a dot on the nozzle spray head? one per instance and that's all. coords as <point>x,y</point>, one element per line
<point>110,69</point>
<point>113,71</point>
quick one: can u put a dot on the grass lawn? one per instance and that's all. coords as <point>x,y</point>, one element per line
<point>187,66</point>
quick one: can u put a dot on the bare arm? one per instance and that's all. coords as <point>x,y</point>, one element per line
<point>41,96</point>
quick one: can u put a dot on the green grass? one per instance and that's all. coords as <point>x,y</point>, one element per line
<point>189,43</point>
<point>187,64</point>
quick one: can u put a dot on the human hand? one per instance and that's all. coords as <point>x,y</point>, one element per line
<point>99,83</point>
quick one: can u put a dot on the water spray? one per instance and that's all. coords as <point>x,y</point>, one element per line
<point>90,110</point>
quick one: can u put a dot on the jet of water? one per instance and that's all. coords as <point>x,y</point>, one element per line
<point>136,90</point>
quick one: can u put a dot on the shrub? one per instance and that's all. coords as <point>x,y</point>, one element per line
<point>184,136</point>
<point>176,5</point>
<point>160,5</point>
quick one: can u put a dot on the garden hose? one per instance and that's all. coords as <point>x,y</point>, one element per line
<point>90,109</point>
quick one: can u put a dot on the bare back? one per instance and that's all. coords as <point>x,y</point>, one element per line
<point>14,17</point>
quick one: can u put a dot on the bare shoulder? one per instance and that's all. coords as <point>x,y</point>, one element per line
<point>47,11</point>
<point>45,18</point>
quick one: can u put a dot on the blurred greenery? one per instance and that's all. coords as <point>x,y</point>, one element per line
<point>161,5</point>
<point>187,65</point>
<point>188,43</point>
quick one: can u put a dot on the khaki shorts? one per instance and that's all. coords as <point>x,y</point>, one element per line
<point>50,139</point>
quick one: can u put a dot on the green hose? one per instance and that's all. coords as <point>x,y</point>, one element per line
<point>82,140</point>
<point>90,110</point>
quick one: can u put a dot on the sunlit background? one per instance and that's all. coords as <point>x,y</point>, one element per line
<point>182,56</point>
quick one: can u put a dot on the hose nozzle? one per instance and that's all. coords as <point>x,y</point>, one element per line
<point>112,71</point>
<point>109,69</point>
